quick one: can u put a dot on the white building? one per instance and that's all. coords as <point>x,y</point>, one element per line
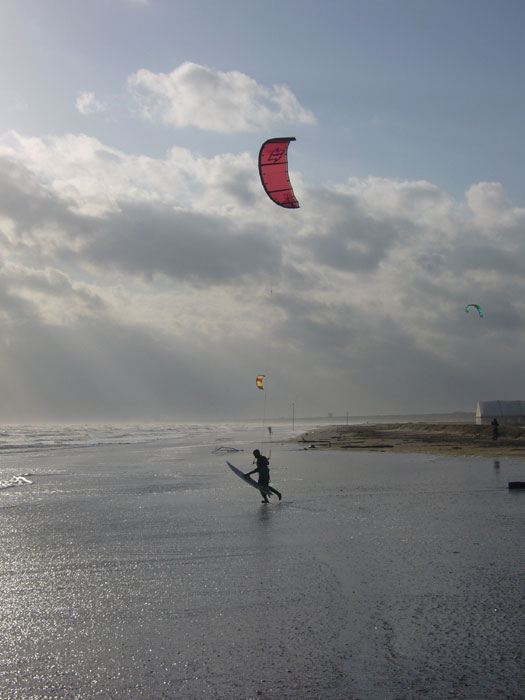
<point>505,412</point>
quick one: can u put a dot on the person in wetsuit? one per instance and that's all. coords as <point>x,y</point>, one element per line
<point>263,469</point>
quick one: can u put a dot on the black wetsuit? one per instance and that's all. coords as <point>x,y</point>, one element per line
<point>263,469</point>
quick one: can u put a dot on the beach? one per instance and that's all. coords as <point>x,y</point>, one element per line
<point>457,439</point>
<point>142,568</point>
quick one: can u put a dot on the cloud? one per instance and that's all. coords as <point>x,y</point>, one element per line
<point>47,295</point>
<point>155,239</point>
<point>354,239</point>
<point>95,178</point>
<point>76,200</point>
<point>87,104</point>
<point>174,279</point>
<point>226,102</point>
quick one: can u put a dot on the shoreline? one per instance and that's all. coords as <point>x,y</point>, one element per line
<point>458,439</point>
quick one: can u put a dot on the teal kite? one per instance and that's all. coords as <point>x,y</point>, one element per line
<point>476,306</point>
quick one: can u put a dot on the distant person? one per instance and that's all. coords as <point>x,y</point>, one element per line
<point>495,429</point>
<point>263,469</point>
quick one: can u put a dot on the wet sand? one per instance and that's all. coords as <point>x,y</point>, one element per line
<point>431,438</point>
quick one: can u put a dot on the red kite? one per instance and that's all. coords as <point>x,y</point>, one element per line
<point>273,169</point>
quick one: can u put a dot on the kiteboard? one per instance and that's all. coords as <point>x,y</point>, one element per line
<point>249,480</point>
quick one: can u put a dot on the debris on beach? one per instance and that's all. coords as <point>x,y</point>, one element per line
<point>225,449</point>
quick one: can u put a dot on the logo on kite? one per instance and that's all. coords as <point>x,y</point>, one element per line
<point>260,378</point>
<point>273,169</point>
<point>475,306</point>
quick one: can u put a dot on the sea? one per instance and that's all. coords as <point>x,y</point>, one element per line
<point>135,565</point>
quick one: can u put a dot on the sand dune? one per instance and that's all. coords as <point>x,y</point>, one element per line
<point>434,438</point>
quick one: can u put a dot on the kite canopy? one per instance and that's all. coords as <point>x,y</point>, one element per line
<point>259,380</point>
<point>273,169</point>
<point>475,306</point>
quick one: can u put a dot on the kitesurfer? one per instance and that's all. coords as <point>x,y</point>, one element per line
<point>263,469</point>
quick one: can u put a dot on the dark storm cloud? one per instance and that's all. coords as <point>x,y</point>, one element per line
<point>346,237</point>
<point>316,335</point>
<point>489,258</point>
<point>432,262</point>
<point>145,239</point>
<point>313,326</point>
<point>28,203</point>
<point>237,188</point>
<point>142,239</point>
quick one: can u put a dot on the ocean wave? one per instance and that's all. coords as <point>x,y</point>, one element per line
<point>27,438</point>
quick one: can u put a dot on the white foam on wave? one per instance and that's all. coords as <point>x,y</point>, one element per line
<point>15,481</point>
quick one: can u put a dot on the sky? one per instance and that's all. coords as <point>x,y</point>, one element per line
<point>145,274</point>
